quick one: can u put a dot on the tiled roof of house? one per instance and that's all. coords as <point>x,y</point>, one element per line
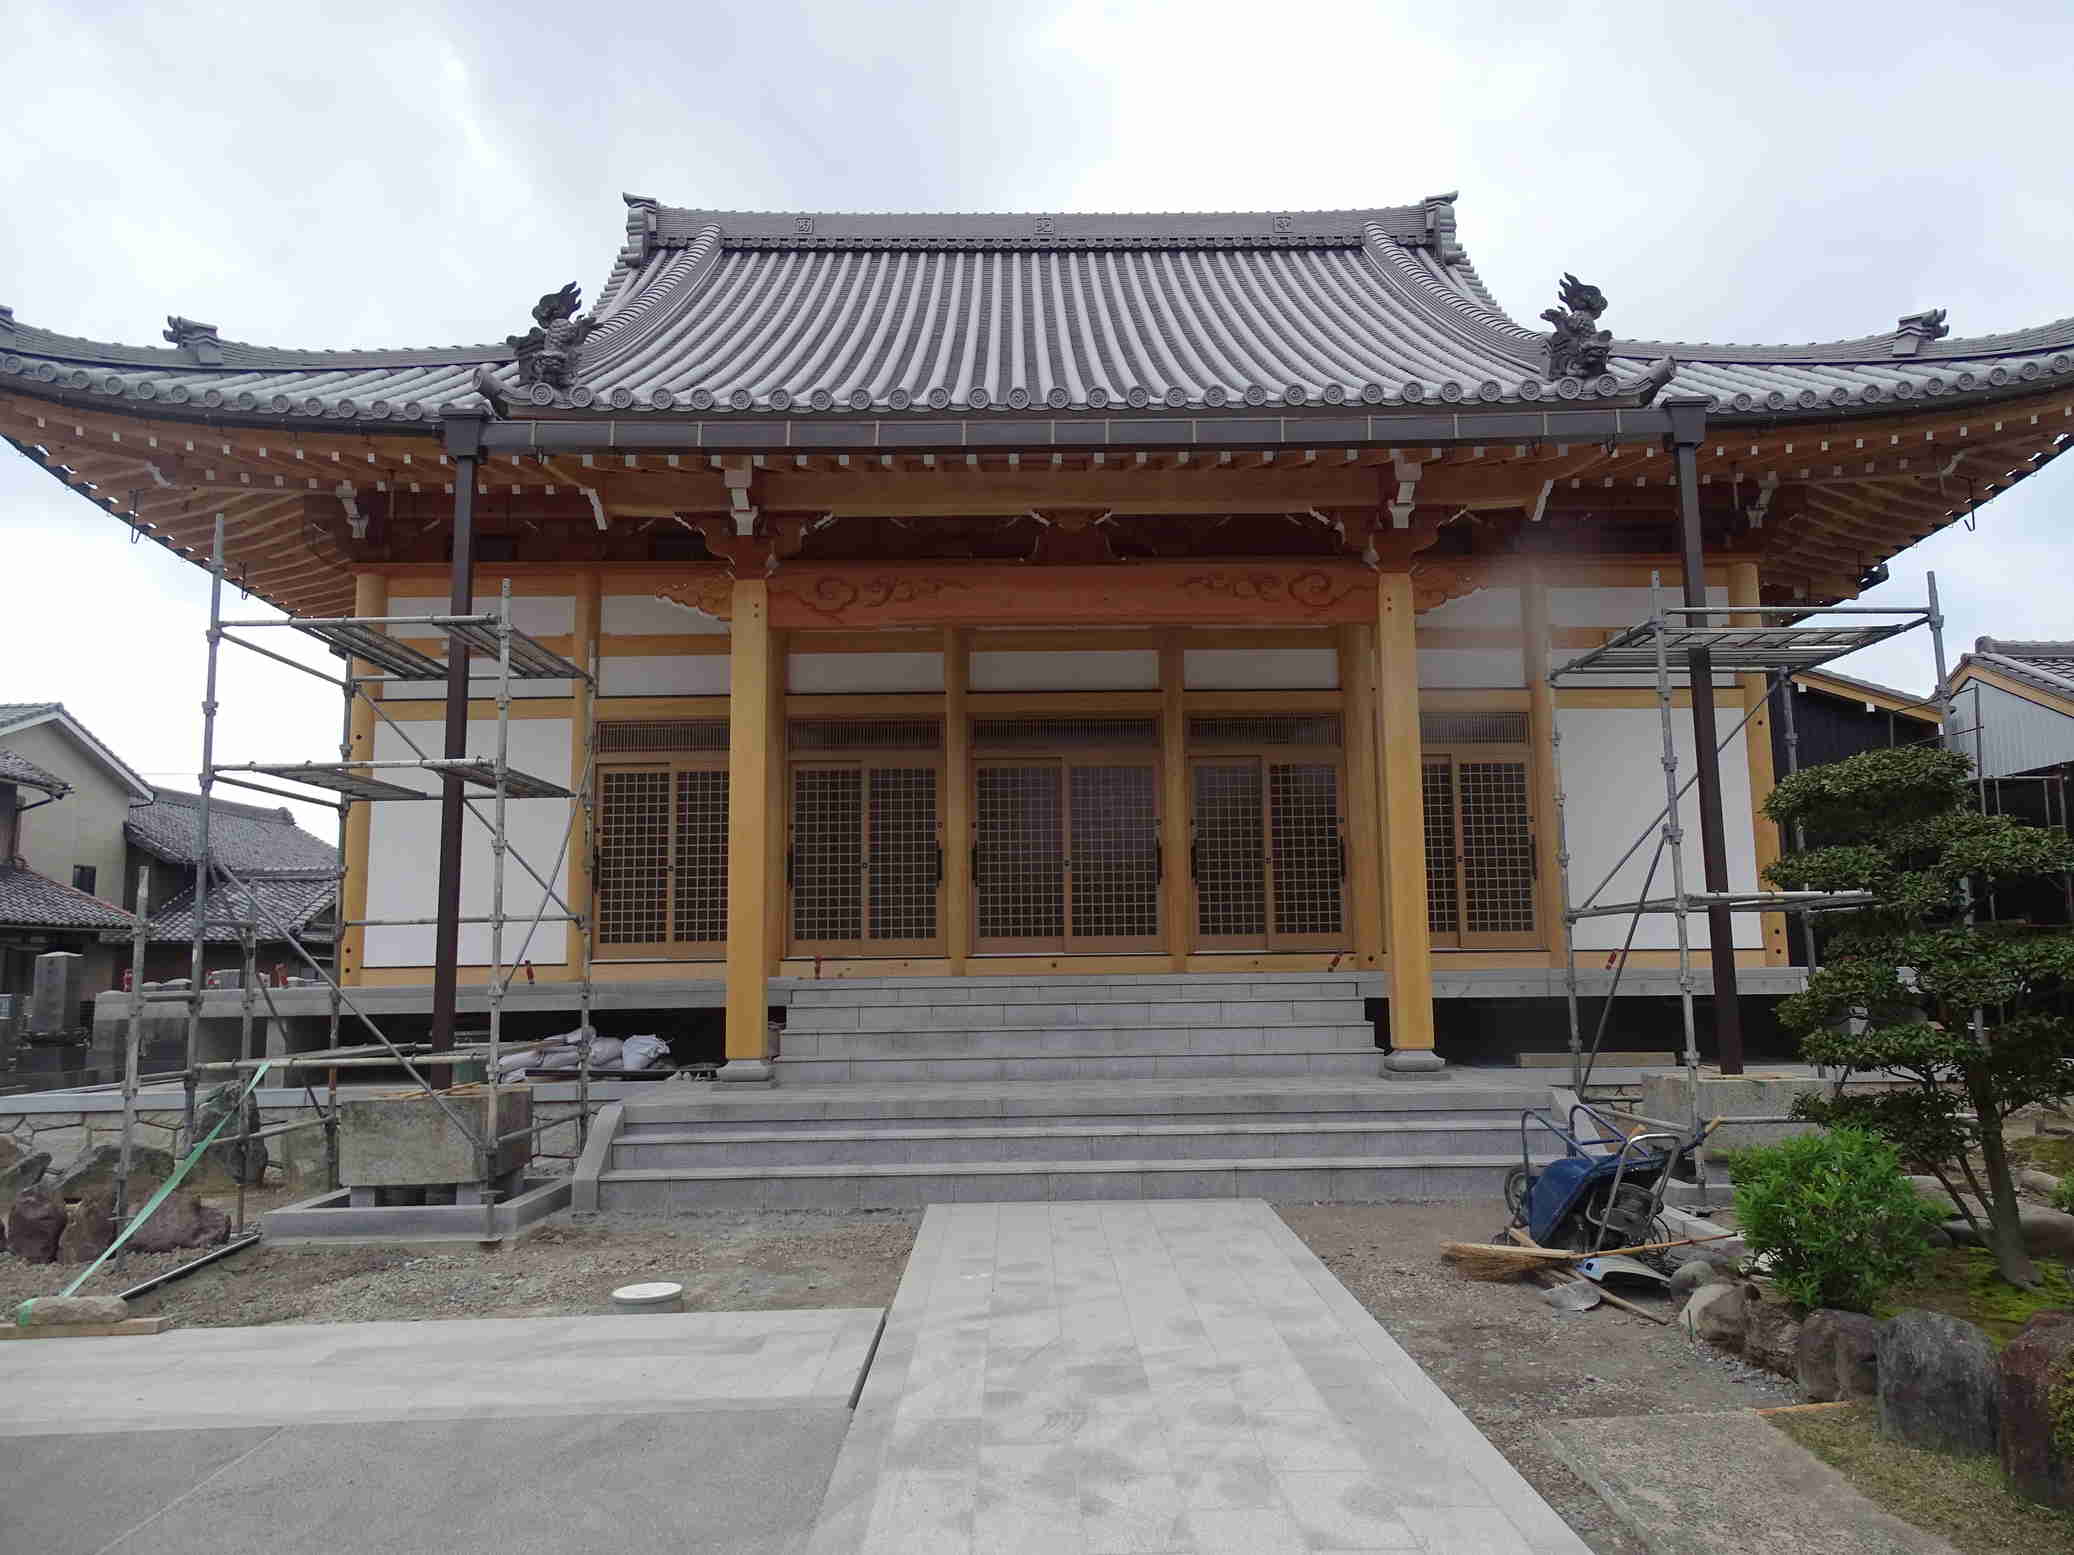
<point>24,772</point>
<point>2047,665</point>
<point>30,900</point>
<point>800,314</point>
<point>284,902</point>
<point>243,838</point>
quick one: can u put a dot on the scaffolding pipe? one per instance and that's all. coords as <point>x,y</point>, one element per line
<point>1673,839</point>
<point>198,955</point>
<point>133,1041</point>
<point>491,1111</point>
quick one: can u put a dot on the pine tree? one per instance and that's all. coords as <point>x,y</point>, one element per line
<point>1970,1015</point>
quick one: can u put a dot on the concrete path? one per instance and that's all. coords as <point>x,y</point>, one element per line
<point>1171,1376</point>
<point>1728,1483</point>
<point>702,1432</point>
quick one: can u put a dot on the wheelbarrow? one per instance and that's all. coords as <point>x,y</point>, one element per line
<point>1606,1188</point>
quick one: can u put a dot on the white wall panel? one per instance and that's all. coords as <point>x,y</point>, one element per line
<point>1466,667</point>
<point>644,614</point>
<point>1486,607</point>
<point>1614,782</point>
<point>543,615</point>
<point>1615,606</point>
<point>846,672</point>
<point>403,850</point>
<point>660,675</point>
<point>1076,670</point>
<point>1260,669</point>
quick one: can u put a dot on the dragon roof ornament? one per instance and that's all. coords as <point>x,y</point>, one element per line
<point>1577,347</point>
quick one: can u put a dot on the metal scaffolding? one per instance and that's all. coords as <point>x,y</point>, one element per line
<point>368,642</point>
<point>1782,643</point>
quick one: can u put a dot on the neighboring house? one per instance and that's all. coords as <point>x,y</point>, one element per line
<point>293,874</point>
<point>2013,703</point>
<point>63,799</point>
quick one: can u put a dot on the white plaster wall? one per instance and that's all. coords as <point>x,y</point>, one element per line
<point>1613,780</point>
<point>1486,607</point>
<point>403,848</point>
<point>846,672</point>
<point>1075,670</point>
<point>644,614</point>
<point>663,675</point>
<point>1455,668</point>
<point>1260,669</point>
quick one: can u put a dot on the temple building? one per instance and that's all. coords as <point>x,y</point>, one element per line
<point>1055,595</point>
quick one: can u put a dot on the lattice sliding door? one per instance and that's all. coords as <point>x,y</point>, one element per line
<point>1019,856</point>
<point>1229,855</point>
<point>1114,866</point>
<point>1480,857</point>
<point>661,874</point>
<point>866,861</point>
<point>1308,856</point>
<point>1268,855</point>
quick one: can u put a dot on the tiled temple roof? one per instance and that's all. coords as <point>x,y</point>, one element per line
<point>799,314</point>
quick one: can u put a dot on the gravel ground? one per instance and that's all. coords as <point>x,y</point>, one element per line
<point>1512,1363</point>
<point>727,1261</point>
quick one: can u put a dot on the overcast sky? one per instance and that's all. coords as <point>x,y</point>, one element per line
<point>381,175</point>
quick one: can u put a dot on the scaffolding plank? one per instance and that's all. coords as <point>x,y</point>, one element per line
<point>1734,901</point>
<point>530,658</point>
<point>1735,649</point>
<point>340,777</point>
<point>482,773</point>
<point>377,647</point>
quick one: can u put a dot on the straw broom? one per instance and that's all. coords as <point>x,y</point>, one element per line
<point>1488,1261</point>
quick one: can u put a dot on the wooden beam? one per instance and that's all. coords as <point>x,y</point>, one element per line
<point>1404,827</point>
<point>748,785</point>
<point>1745,588</point>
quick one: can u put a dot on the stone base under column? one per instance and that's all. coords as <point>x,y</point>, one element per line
<point>1415,1063</point>
<point>746,1071</point>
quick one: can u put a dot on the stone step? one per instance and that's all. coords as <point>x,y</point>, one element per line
<point>1051,1015</point>
<point>1031,1063</point>
<point>1190,987</point>
<point>1301,1137</point>
<point>1329,1178</point>
<point>1021,1041</point>
<point>1094,1103</point>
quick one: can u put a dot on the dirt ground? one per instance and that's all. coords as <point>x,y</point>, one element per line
<point>726,1261</point>
<point>1510,1362</point>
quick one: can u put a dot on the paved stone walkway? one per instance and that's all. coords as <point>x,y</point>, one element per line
<point>1159,1377</point>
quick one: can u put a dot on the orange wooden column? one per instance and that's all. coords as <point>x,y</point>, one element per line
<point>1177,891</point>
<point>749,883</point>
<point>1364,824</point>
<point>956,900</point>
<point>370,598</point>
<point>1541,730</point>
<point>1404,832</point>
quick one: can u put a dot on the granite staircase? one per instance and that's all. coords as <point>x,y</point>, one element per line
<point>905,1092</point>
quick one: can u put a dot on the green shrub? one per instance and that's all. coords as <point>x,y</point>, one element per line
<point>2063,1195</point>
<point>1832,1217</point>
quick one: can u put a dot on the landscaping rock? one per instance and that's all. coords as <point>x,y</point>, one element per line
<point>1716,1313</point>
<point>1838,1356</point>
<point>2037,1361</point>
<point>233,1163</point>
<point>44,1311</point>
<point>2048,1233</point>
<point>1771,1337</point>
<point>1931,1191</point>
<point>1938,1237</point>
<point>2044,1184</point>
<point>95,1167</point>
<point>1938,1383</point>
<point>1690,1275</point>
<point>25,1172</point>
<point>1959,1234</point>
<point>35,1221</point>
<point>182,1221</point>
<point>89,1229</point>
